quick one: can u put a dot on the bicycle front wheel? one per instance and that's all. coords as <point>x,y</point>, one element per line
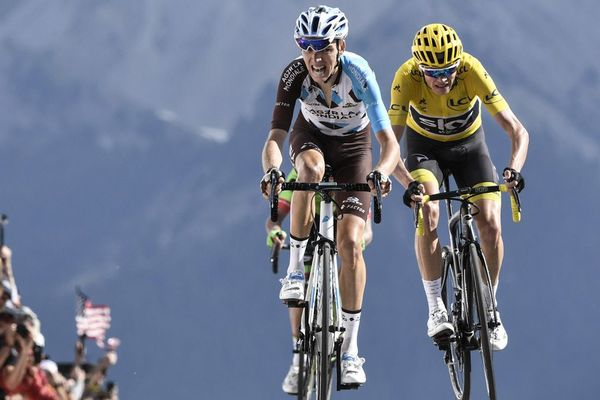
<point>480,278</point>
<point>457,354</point>
<point>307,367</point>
<point>326,361</point>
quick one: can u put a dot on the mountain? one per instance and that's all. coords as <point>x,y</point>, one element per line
<point>130,148</point>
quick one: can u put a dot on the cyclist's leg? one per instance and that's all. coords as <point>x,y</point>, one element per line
<point>423,165</point>
<point>351,163</point>
<point>489,226</point>
<point>290,382</point>
<point>307,157</point>
<point>353,273</point>
<point>478,170</point>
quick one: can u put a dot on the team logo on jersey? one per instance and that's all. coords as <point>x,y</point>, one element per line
<point>290,74</point>
<point>459,104</point>
<point>353,203</point>
<point>446,126</point>
<point>492,97</point>
<point>352,199</point>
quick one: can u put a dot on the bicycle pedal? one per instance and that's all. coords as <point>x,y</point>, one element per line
<point>443,340</point>
<point>294,303</point>
<point>350,386</point>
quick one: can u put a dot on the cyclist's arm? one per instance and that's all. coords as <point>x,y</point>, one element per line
<point>288,91</point>
<point>398,172</point>
<point>400,93</point>
<point>272,154</point>
<point>518,136</point>
<point>389,153</point>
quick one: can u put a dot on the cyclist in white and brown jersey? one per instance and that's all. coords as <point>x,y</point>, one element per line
<point>340,104</point>
<point>436,101</point>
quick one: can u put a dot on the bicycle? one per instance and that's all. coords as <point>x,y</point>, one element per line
<point>466,284</point>
<point>321,327</point>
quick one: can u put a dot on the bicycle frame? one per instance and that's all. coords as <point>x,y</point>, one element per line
<point>321,325</point>
<point>470,290</point>
<point>323,301</point>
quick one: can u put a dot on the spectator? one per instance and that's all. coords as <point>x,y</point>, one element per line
<point>21,375</point>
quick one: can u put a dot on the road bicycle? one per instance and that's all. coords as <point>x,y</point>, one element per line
<point>321,332</point>
<point>466,287</point>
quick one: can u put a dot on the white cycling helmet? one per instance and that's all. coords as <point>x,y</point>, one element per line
<point>321,22</point>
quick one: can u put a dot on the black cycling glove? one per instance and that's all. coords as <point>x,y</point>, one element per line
<point>413,188</point>
<point>515,176</point>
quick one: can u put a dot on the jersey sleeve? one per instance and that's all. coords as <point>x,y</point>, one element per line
<point>288,91</point>
<point>485,88</point>
<point>400,96</point>
<point>365,83</point>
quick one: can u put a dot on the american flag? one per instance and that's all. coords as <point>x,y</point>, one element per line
<point>91,320</point>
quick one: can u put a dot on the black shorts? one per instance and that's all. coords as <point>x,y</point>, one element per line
<point>349,156</point>
<point>467,159</point>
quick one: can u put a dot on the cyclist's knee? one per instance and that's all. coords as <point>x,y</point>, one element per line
<point>310,166</point>
<point>350,248</point>
<point>490,229</point>
<point>431,215</point>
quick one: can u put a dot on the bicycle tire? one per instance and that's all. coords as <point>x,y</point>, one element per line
<point>307,375</point>
<point>325,365</point>
<point>477,264</point>
<point>457,356</point>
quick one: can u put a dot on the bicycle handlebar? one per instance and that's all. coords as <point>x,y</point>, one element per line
<point>322,187</point>
<point>515,203</point>
<point>273,198</point>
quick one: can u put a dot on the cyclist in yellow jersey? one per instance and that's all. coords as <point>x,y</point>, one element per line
<point>436,101</point>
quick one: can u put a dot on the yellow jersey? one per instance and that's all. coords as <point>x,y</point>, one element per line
<point>453,116</point>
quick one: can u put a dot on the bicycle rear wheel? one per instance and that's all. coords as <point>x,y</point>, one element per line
<point>457,354</point>
<point>325,364</point>
<point>480,277</point>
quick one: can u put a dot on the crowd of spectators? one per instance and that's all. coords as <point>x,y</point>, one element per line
<point>26,371</point>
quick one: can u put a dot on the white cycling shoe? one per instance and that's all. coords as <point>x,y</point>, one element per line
<point>438,325</point>
<point>292,287</point>
<point>498,335</point>
<point>352,370</point>
<point>290,383</point>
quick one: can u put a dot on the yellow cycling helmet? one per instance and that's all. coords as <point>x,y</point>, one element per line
<point>436,46</point>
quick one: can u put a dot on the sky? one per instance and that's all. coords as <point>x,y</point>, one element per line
<point>130,145</point>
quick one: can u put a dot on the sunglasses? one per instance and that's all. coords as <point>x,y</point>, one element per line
<point>315,44</point>
<point>440,72</point>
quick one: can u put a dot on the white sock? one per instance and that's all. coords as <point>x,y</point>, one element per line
<point>433,291</point>
<point>297,249</point>
<point>487,296</point>
<point>351,322</point>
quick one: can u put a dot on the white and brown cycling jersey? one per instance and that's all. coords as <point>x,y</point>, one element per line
<point>340,131</point>
<point>355,99</point>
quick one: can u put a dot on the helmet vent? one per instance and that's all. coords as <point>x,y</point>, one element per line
<point>315,24</point>
<point>429,57</point>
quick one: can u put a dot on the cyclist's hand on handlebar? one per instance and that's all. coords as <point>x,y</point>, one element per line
<point>514,179</point>
<point>265,183</point>
<point>413,193</point>
<point>276,236</point>
<point>384,182</point>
